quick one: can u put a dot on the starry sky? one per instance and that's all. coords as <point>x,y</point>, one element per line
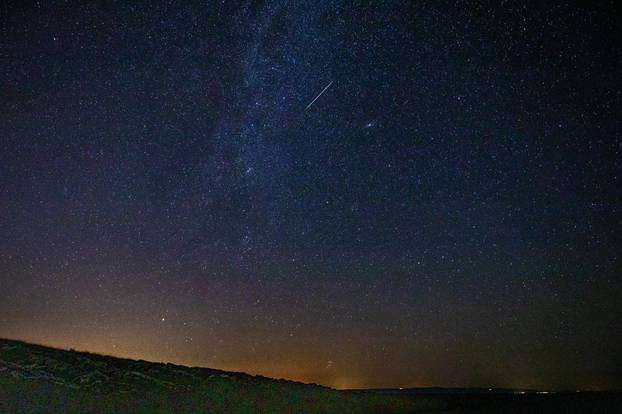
<point>447,212</point>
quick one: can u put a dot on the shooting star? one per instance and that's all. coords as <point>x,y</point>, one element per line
<point>320,94</point>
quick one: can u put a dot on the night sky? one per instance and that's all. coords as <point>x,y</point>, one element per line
<point>447,212</point>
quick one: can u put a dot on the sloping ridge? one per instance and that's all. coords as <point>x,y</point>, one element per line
<point>35,378</point>
<point>78,369</point>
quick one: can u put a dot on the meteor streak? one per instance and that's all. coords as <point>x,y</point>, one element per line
<point>320,94</point>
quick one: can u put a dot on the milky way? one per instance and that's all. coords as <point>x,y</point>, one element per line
<point>369,194</point>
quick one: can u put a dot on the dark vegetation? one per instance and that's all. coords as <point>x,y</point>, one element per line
<point>37,379</point>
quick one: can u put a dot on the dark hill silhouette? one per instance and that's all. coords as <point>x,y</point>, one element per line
<point>36,378</point>
<point>39,379</point>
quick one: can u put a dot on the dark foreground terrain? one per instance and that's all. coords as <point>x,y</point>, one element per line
<point>37,379</point>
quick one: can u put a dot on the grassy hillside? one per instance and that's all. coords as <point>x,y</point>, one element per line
<point>37,379</point>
